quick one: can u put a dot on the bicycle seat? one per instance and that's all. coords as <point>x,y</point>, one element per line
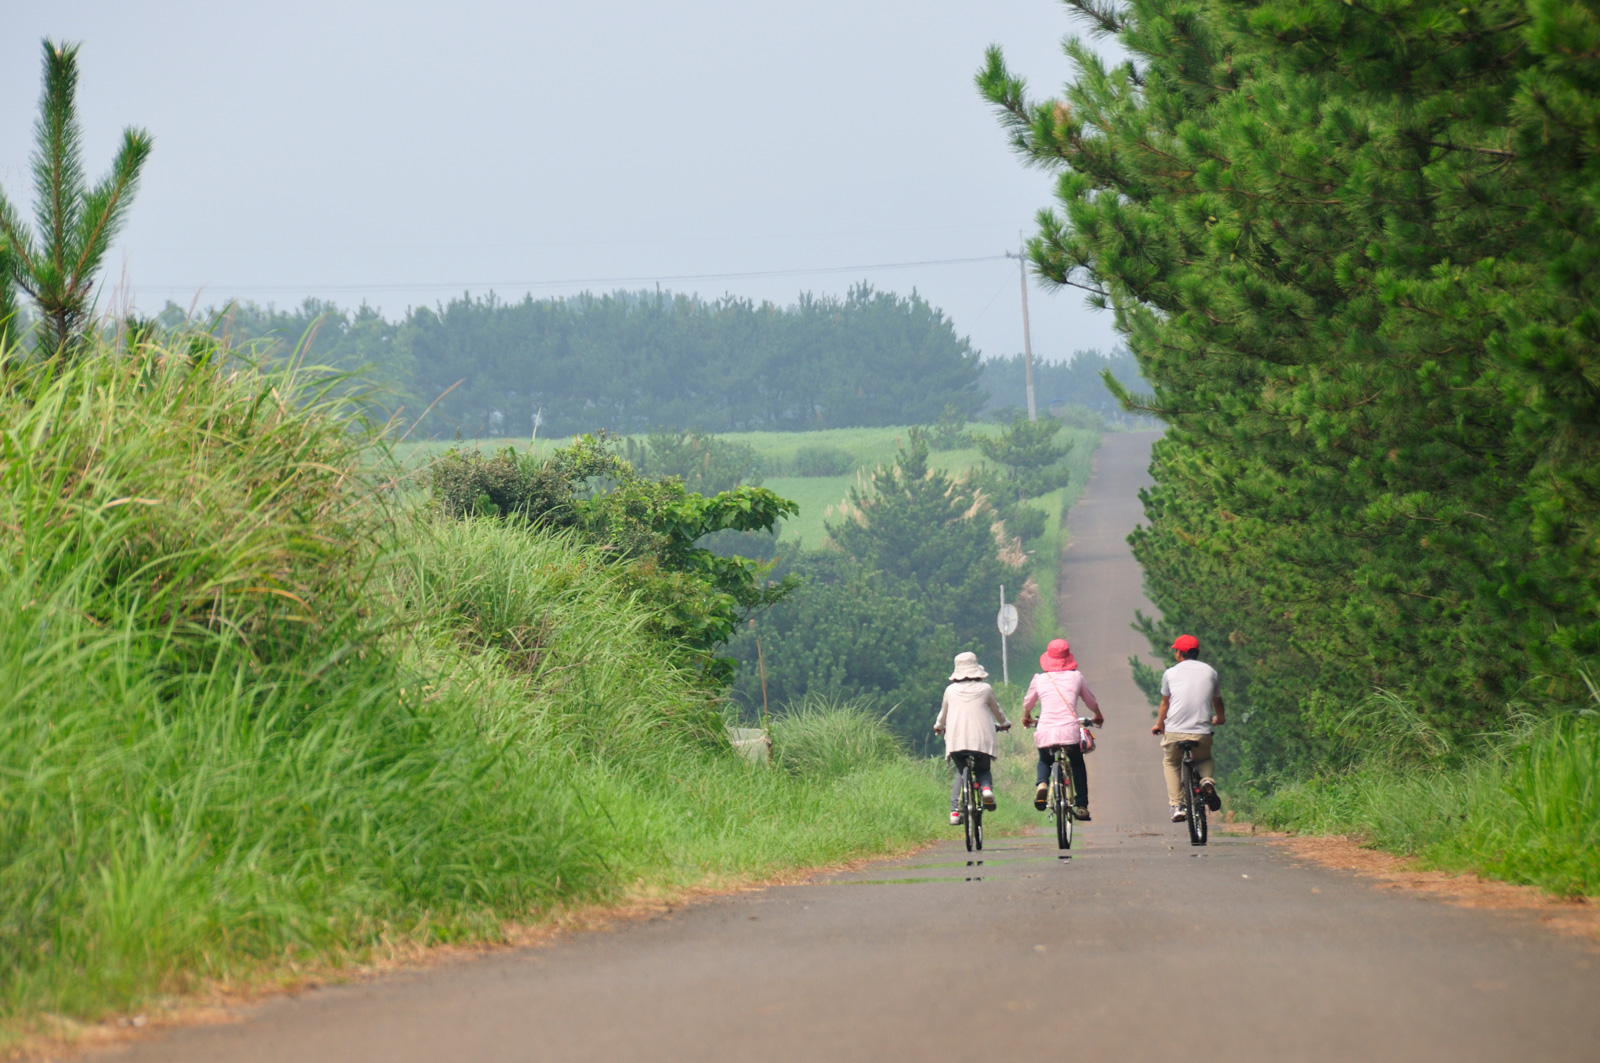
<point>1186,746</point>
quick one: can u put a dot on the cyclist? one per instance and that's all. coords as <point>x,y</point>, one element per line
<point>968,718</point>
<point>1056,690</point>
<point>1191,705</point>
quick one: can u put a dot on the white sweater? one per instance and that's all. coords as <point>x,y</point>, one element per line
<point>969,715</point>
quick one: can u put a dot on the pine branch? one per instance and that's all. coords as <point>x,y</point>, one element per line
<point>18,243</point>
<point>58,158</point>
<point>1104,17</point>
<point>105,208</point>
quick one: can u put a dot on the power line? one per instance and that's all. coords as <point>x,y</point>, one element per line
<point>537,245</point>
<point>570,281</point>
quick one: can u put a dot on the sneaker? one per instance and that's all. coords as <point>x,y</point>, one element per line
<point>1178,815</point>
<point>1081,813</point>
<point>1041,796</point>
<point>955,817</point>
<point>988,799</point>
<point>1208,790</point>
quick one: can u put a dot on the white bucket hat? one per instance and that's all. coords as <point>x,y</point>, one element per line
<point>967,667</point>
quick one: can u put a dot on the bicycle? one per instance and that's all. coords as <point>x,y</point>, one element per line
<point>1194,801</point>
<point>1063,797</point>
<point>971,806</point>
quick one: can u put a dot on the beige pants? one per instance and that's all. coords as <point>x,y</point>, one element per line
<point>1172,756</point>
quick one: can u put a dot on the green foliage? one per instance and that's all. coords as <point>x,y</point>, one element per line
<point>652,526</point>
<point>824,738</point>
<point>822,460</point>
<point>631,361</point>
<point>930,537</point>
<point>1352,249</point>
<point>912,578</point>
<point>1077,382</point>
<point>706,465</point>
<point>1025,522</point>
<point>850,631</point>
<point>466,483</point>
<point>318,333</point>
<point>76,223</point>
<point>1029,451</point>
<point>12,323</point>
<point>1525,811</point>
<point>950,431</point>
<point>844,635</point>
<point>254,718</point>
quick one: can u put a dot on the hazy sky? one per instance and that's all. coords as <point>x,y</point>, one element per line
<point>402,152</point>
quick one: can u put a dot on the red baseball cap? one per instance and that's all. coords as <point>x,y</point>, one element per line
<point>1186,643</point>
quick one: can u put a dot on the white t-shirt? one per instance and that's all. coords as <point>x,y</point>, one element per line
<point>1190,685</point>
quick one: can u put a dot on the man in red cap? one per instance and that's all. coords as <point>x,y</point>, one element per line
<point>1191,705</point>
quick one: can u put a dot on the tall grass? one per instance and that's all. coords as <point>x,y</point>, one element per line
<point>255,712</point>
<point>1524,808</point>
<point>829,739</point>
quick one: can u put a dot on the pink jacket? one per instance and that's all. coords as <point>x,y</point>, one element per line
<point>1057,693</point>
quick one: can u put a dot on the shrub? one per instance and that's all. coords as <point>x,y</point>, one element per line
<point>844,635</point>
<point>652,526</point>
<point>950,431</point>
<point>467,484</point>
<point>706,464</point>
<point>825,738</point>
<point>1025,522</point>
<point>819,459</point>
<point>1028,450</point>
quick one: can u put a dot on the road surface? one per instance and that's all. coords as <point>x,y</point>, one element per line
<point>1138,948</point>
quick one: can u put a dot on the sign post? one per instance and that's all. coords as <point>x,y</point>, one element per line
<point>1007,623</point>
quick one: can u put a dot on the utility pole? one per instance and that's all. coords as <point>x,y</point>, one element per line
<point>1027,339</point>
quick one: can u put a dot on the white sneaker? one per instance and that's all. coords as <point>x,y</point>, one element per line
<point>1178,814</point>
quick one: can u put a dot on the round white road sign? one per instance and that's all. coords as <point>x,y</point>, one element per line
<point>1007,620</point>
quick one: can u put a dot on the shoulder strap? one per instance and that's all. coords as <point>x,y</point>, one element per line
<point>1072,706</point>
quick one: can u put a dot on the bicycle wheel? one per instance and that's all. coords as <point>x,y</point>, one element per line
<point>1061,793</point>
<point>977,815</point>
<point>966,804</point>
<point>1194,805</point>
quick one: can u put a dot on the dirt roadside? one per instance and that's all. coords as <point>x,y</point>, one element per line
<point>1567,915</point>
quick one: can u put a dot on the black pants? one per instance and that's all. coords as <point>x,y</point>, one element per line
<point>981,765</point>
<point>1080,777</point>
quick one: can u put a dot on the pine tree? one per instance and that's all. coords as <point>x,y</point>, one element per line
<point>76,224</point>
<point>1353,249</point>
<point>933,536</point>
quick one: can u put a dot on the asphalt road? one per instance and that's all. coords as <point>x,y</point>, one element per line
<point>1138,948</point>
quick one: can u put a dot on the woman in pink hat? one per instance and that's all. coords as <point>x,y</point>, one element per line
<point>1056,690</point>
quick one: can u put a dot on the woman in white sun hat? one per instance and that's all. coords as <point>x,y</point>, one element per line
<point>968,719</point>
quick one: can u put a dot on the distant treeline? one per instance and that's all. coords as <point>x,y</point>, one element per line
<point>634,361</point>
<point>1076,382</point>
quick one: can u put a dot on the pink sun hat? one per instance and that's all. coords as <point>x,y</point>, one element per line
<point>1057,657</point>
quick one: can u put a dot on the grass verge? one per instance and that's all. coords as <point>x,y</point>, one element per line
<point>1527,812</point>
<point>256,714</point>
